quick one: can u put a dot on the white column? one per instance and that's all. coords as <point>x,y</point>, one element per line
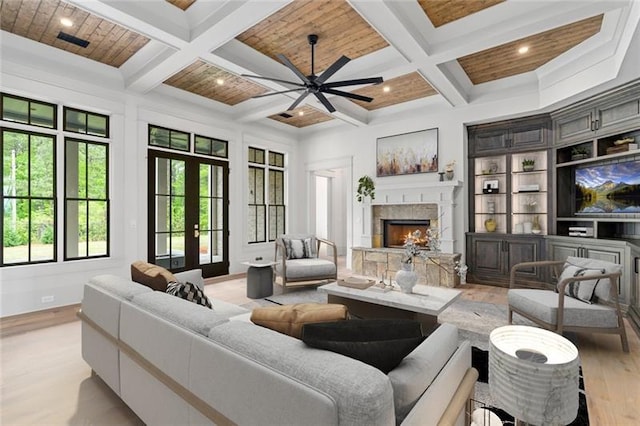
<point>365,239</point>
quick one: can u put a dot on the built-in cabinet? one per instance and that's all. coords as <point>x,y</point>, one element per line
<point>634,305</point>
<point>605,115</point>
<point>615,251</point>
<point>509,213</point>
<point>491,257</point>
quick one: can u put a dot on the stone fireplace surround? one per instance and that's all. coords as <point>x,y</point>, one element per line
<point>433,201</point>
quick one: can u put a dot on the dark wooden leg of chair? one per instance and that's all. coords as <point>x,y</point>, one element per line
<point>623,338</point>
<point>510,315</point>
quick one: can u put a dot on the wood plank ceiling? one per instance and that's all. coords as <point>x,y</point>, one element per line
<point>109,43</point>
<point>442,12</point>
<point>182,4</point>
<point>341,31</point>
<point>400,89</point>
<point>505,61</point>
<point>214,83</point>
<point>310,116</point>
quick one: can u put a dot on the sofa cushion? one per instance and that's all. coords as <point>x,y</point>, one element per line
<point>381,343</point>
<point>153,276</point>
<point>543,304</point>
<point>122,287</point>
<point>417,370</point>
<point>289,319</point>
<point>581,290</point>
<point>179,311</point>
<point>603,289</point>
<point>301,268</point>
<point>190,292</point>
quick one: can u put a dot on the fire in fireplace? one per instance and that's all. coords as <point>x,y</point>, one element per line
<point>395,231</point>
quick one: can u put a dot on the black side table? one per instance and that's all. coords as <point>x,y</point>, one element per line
<point>259,279</point>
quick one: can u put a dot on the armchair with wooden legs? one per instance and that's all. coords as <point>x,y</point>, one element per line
<point>298,260</point>
<point>593,308</point>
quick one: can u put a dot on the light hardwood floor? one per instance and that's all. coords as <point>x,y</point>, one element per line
<point>44,380</point>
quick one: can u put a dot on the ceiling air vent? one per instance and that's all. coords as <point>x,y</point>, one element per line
<point>73,39</point>
<point>285,115</point>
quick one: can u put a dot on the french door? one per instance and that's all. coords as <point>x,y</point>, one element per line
<point>188,213</point>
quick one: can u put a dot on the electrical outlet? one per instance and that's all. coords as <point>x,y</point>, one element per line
<point>47,299</point>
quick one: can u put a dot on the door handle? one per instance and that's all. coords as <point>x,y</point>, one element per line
<point>196,230</point>
<point>635,266</point>
<point>597,124</point>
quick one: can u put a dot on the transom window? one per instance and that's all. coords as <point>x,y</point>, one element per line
<point>211,146</point>
<point>28,111</point>
<point>169,138</point>
<point>89,123</point>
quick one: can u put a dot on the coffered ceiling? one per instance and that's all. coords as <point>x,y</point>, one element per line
<point>447,51</point>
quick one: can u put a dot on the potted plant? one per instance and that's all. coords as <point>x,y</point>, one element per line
<point>580,153</point>
<point>528,164</point>
<point>366,188</point>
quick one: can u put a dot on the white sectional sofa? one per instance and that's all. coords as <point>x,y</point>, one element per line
<point>175,362</point>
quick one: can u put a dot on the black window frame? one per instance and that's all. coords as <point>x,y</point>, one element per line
<point>53,198</point>
<point>87,114</point>
<point>87,199</point>
<point>211,141</point>
<point>171,147</point>
<point>271,210</point>
<point>30,101</point>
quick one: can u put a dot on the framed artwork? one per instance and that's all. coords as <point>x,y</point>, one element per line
<point>407,154</point>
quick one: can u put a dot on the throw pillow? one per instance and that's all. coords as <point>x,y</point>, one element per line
<point>153,276</point>
<point>298,248</point>
<point>289,319</point>
<point>380,343</point>
<point>581,290</point>
<point>190,292</point>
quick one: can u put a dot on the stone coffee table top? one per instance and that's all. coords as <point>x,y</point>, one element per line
<point>424,299</point>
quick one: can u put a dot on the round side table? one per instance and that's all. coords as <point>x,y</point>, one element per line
<point>259,279</point>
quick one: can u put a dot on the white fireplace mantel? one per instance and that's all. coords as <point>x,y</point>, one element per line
<point>440,193</point>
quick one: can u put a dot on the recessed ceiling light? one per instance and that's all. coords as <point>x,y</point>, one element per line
<point>300,113</point>
<point>386,89</point>
<point>219,82</point>
<point>523,50</point>
<point>66,22</point>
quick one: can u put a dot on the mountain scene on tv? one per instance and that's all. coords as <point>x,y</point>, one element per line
<point>613,188</point>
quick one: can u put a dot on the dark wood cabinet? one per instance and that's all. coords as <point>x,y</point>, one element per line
<point>511,135</point>
<point>490,257</point>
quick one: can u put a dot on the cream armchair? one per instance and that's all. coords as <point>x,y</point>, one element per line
<point>298,261</point>
<point>585,298</point>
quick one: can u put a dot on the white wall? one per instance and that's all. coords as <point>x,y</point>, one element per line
<point>22,287</point>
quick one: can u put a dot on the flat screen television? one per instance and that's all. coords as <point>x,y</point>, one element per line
<point>608,189</point>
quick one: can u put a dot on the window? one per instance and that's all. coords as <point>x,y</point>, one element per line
<point>260,212</point>
<point>86,199</point>
<point>86,122</point>
<point>210,146</point>
<point>27,111</point>
<point>30,173</point>
<point>167,138</point>
<point>28,197</point>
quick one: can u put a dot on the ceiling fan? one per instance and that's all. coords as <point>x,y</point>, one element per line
<point>316,84</point>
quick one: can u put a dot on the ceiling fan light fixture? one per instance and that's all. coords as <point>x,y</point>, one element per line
<point>317,84</point>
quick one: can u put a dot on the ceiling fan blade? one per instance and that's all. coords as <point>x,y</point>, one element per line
<point>273,79</point>
<point>348,95</point>
<point>277,93</point>
<point>297,101</point>
<point>325,102</point>
<point>355,82</point>
<point>341,62</point>
<point>292,67</point>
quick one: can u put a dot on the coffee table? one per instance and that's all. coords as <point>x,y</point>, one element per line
<point>423,305</point>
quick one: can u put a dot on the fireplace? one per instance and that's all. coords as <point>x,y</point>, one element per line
<point>396,230</point>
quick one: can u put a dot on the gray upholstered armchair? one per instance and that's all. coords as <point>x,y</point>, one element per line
<point>585,298</point>
<point>298,261</point>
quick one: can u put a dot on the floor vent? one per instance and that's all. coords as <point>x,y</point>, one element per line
<point>73,39</point>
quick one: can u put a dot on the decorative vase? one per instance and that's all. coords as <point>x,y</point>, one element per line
<point>490,225</point>
<point>535,226</point>
<point>528,167</point>
<point>448,174</point>
<point>406,278</point>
